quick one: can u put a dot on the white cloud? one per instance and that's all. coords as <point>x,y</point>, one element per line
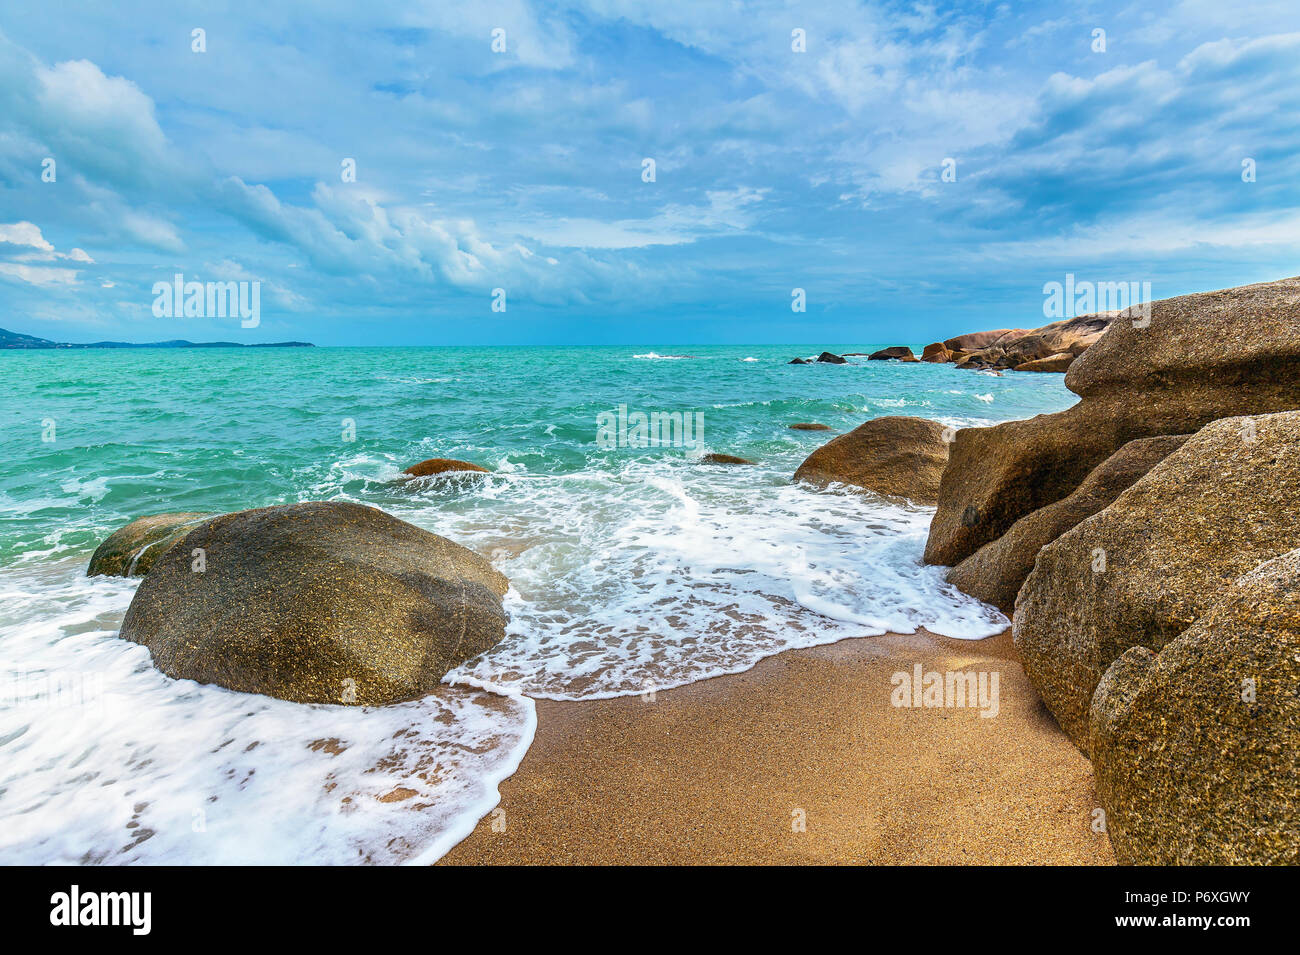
<point>39,275</point>
<point>27,237</point>
<point>24,233</point>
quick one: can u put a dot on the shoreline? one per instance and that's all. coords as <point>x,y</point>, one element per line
<point>715,772</point>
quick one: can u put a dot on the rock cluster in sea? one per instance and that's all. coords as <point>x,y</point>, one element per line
<point>1053,347</point>
<point>1146,541</point>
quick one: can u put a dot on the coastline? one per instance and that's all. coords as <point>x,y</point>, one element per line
<point>711,772</point>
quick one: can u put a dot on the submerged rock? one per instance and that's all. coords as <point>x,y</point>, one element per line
<point>724,459</point>
<point>132,549</point>
<point>317,603</point>
<point>798,361</point>
<point>1142,570</point>
<point>1196,748</point>
<point>996,571</point>
<point>897,456</point>
<point>442,466</point>
<point>810,426</point>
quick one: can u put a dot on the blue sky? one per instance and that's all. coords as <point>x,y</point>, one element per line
<point>522,169</point>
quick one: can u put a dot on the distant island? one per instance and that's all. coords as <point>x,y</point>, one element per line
<point>14,340</point>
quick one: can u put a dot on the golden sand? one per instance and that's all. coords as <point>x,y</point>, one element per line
<point>723,771</point>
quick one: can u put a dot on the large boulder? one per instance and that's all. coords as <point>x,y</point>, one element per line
<point>317,603</point>
<point>936,352</point>
<point>1141,571</point>
<point>132,549</point>
<point>995,572</point>
<point>1196,748</point>
<point>1191,361</point>
<point>896,456</point>
<point>997,475</point>
<point>1236,351</point>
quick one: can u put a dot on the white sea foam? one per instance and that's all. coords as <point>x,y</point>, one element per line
<point>665,573</point>
<point>104,759</point>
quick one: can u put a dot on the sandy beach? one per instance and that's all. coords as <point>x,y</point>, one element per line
<point>724,771</point>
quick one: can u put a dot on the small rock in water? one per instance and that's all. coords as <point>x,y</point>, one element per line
<point>442,466</point>
<point>896,352</point>
<point>810,426</point>
<point>725,459</point>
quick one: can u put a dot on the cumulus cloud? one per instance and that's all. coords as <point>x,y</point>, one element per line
<point>22,243</point>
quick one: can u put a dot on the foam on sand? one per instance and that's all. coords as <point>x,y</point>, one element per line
<point>103,759</point>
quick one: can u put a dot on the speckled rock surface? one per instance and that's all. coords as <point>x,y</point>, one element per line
<point>997,475</point>
<point>897,455</point>
<point>1198,358</point>
<point>1195,765</point>
<point>132,549</point>
<point>442,466</point>
<point>1242,340</point>
<point>1141,571</point>
<point>317,603</point>
<point>995,572</point>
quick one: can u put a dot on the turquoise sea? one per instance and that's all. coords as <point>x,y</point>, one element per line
<point>632,569</point>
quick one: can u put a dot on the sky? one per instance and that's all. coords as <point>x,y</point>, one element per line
<point>502,193</point>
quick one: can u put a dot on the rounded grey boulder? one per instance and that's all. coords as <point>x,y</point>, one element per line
<point>317,603</point>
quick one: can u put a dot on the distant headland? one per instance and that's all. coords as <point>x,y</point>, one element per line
<point>15,340</point>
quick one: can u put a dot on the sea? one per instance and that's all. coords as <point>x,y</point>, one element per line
<point>633,569</point>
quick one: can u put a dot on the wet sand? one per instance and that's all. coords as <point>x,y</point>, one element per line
<point>722,771</point>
